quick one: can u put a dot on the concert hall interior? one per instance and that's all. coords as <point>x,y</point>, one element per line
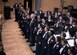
<point>38,27</point>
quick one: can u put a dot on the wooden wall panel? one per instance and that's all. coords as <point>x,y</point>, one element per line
<point>45,4</point>
<point>1,6</point>
<point>70,2</point>
<point>50,4</point>
<point>33,6</point>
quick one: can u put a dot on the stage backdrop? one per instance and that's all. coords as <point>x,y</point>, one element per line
<point>44,5</point>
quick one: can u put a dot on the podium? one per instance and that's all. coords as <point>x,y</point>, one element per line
<point>7,12</point>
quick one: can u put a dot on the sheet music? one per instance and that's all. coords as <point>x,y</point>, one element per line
<point>71,42</point>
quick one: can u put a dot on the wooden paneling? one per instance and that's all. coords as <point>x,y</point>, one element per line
<point>1,6</point>
<point>45,4</point>
<point>50,4</point>
<point>70,2</point>
<point>33,6</point>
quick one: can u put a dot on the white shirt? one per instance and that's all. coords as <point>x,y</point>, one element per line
<point>67,35</point>
<point>49,39</point>
<point>44,34</point>
<point>31,21</point>
<point>55,44</point>
<point>76,41</point>
<point>62,49</point>
<point>38,31</point>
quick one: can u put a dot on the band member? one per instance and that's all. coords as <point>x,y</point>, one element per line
<point>16,7</point>
<point>28,27</point>
<point>57,46</point>
<point>44,41</point>
<point>43,23</point>
<point>33,25</point>
<point>50,43</point>
<point>64,49</point>
<point>40,33</point>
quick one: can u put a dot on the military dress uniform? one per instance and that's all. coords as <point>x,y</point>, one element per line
<point>28,28</point>
<point>33,24</point>
<point>64,50</point>
<point>56,48</point>
<point>39,41</point>
<point>24,24</point>
<point>50,44</point>
<point>44,43</point>
<point>16,6</point>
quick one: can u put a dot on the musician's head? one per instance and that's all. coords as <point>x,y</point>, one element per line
<point>32,16</point>
<point>64,42</point>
